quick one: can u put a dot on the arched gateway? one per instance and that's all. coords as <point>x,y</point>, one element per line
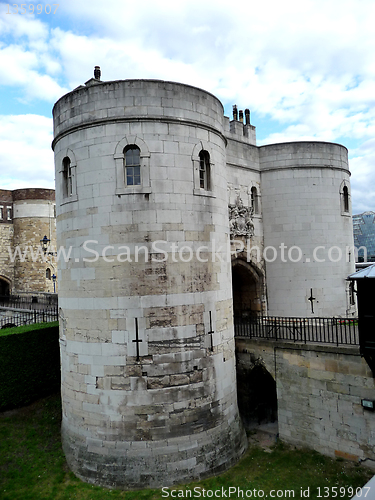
<point>4,286</point>
<point>247,283</point>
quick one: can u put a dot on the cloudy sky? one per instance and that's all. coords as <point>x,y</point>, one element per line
<point>305,68</point>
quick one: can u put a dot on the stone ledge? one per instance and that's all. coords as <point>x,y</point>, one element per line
<point>299,346</point>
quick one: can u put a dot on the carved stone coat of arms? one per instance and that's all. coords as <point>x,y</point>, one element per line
<point>240,220</point>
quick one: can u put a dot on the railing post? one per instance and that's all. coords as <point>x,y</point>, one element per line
<point>275,329</point>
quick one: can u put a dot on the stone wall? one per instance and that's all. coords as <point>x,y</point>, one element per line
<point>30,269</point>
<point>34,218</point>
<point>147,348</point>
<point>6,265</point>
<point>319,393</point>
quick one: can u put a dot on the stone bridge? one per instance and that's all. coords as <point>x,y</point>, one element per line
<point>314,391</point>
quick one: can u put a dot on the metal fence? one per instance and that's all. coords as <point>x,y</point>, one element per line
<point>10,318</point>
<point>47,302</point>
<point>337,331</point>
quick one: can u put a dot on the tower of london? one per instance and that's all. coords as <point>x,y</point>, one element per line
<point>176,221</point>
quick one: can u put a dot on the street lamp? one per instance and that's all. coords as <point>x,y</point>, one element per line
<point>54,282</point>
<point>44,244</point>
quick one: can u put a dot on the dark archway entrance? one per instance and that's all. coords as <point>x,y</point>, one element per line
<point>4,287</point>
<point>246,285</point>
<point>257,397</point>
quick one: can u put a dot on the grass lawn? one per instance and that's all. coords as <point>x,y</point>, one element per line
<point>32,466</point>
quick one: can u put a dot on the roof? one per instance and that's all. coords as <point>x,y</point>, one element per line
<point>367,272</point>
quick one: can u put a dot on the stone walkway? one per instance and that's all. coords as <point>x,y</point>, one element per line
<point>264,435</point>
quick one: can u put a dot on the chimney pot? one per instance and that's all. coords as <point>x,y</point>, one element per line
<point>235,116</point>
<point>247,116</point>
<point>97,73</point>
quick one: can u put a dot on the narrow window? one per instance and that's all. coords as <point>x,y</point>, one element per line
<point>9,213</point>
<point>345,195</point>
<point>1,213</point>
<point>204,170</point>
<point>48,273</point>
<point>132,165</point>
<point>254,200</point>
<point>67,175</point>
<point>352,293</point>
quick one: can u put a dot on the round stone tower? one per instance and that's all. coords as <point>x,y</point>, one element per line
<point>147,347</point>
<point>308,231</point>
<point>33,218</point>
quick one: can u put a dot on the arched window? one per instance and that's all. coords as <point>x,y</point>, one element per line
<point>48,273</point>
<point>67,176</point>
<point>132,160</point>
<point>204,170</point>
<point>132,165</point>
<point>345,198</point>
<point>254,200</point>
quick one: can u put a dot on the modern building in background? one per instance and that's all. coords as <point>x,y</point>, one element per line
<point>364,236</point>
<point>26,217</point>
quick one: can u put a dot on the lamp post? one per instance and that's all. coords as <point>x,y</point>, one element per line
<point>54,282</point>
<point>44,243</point>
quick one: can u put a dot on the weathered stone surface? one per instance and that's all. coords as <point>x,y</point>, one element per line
<point>147,351</point>
<point>23,265</point>
<point>320,409</point>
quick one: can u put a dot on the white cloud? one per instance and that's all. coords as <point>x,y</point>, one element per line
<point>306,66</point>
<point>26,158</point>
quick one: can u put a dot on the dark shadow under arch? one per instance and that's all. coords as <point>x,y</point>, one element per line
<point>257,396</point>
<point>247,289</point>
<point>4,287</point>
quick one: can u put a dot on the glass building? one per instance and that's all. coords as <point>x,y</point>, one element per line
<point>364,235</point>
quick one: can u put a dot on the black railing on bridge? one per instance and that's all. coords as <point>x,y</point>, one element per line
<point>337,331</point>
<point>9,319</point>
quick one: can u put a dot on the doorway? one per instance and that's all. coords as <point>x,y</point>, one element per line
<point>246,284</point>
<point>4,287</point>
<point>257,396</point>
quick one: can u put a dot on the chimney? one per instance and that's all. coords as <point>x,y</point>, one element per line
<point>247,116</point>
<point>97,73</point>
<point>241,116</point>
<point>235,117</point>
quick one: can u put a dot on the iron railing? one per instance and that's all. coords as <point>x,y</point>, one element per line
<point>9,319</point>
<point>47,302</point>
<point>337,331</point>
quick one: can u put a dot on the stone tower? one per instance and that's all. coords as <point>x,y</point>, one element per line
<point>26,216</point>
<point>145,293</point>
<point>307,219</point>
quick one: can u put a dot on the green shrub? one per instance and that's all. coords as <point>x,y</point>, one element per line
<point>29,364</point>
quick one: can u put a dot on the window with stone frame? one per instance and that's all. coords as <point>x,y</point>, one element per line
<point>352,293</point>
<point>48,273</point>
<point>132,159</point>
<point>254,200</point>
<point>204,170</point>
<point>67,177</point>
<point>9,213</point>
<point>345,195</point>
<point>345,198</point>
<point>132,165</point>
<point>1,212</point>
